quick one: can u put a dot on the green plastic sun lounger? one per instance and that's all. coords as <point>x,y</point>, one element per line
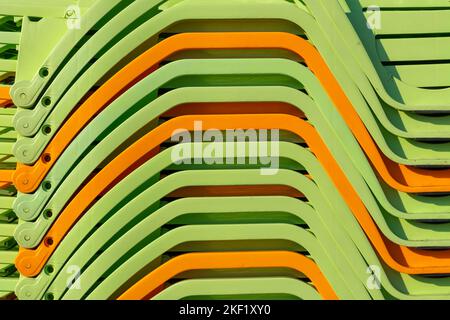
<point>26,91</point>
<point>397,41</point>
<point>284,288</point>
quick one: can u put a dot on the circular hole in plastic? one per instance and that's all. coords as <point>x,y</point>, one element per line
<point>49,269</point>
<point>49,296</point>
<point>46,129</point>
<point>47,185</point>
<point>48,213</point>
<point>46,101</point>
<point>43,72</point>
<point>46,158</point>
<point>48,241</point>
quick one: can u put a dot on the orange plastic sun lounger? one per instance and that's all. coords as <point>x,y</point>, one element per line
<point>403,259</point>
<point>5,98</point>
<point>144,288</point>
<point>398,176</point>
<point>6,176</point>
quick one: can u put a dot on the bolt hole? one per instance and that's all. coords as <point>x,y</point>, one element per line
<point>47,129</point>
<point>48,213</point>
<point>46,158</point>
<point>43,72</point>
<point>47,185</point>
<point>46,101</point>
<point>49,296</point>
<point>48,241</point>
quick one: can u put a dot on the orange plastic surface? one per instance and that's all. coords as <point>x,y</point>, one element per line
<point>6,176</point>
<point>144,288</point>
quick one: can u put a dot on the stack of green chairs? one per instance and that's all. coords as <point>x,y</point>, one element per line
<point>336,186</point>
<point>10,27</point>
<point>8,246</point>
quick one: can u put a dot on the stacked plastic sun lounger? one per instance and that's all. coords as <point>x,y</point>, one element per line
<point>9,39</point>
<point>226,149</point>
